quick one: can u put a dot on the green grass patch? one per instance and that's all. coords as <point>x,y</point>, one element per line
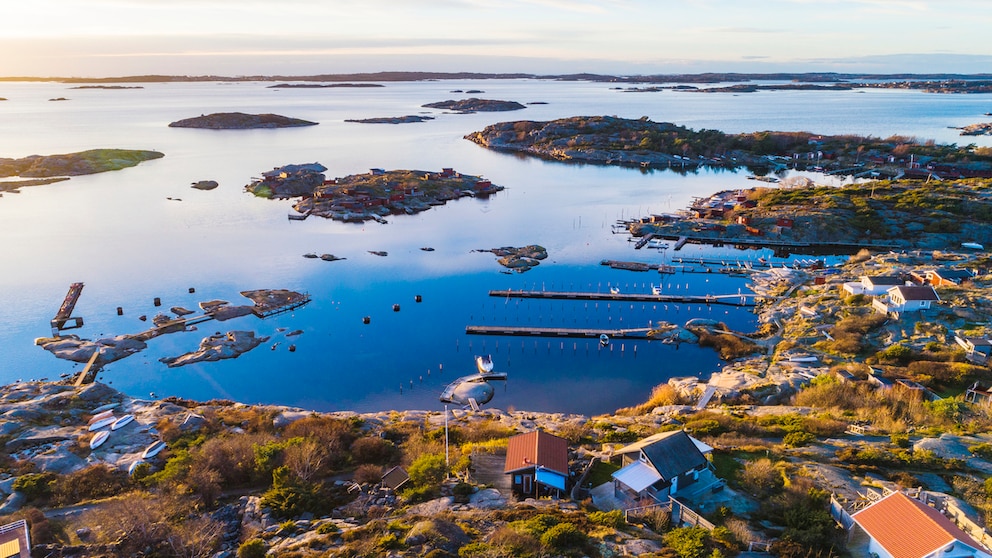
<point>601,473</point>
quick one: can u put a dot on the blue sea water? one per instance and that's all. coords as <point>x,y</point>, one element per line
<point>120,234</point>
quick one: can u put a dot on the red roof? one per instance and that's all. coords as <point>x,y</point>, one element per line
<point>537,449</point>
<point>908,528</point>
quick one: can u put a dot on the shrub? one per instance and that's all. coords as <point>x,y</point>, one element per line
<point>761,477</point>
<point>983,450</point>
<point>798,439</point>
<point>327,528</point>
<point>896,354</point>
<point>609,519</point>
<point>688,542</point>
<point>254,548</point>
<point>856,300</point>
<point>428,470</point>
<point>389,541</point>
<point>564,537</point>
<point>704,427</point>
<point>288,496</point>
<point>372,450</point>
<point>899,439</point>
<point>35,486</point>
<point>368,474</point>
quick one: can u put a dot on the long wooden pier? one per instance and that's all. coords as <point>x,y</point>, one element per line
<point>765,242</point>
<point>730,300</point>
<point>640,333</point>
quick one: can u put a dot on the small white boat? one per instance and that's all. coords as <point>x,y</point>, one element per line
<point>122,422</point>
<point>102,422</point>
<point>604,339</point>
<point>100,416</point>
<point>103,408</point>
<point>133,466</point>
<point>656,290</point>
<point>99,439</point>
<point>972,246</point>
<point>484,363</point>
<point>153,450</point>
<point>614,290</point>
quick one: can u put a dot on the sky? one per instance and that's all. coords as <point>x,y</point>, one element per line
<point>106,38</point>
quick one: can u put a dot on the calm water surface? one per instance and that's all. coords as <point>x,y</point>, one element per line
<point>118,233</point>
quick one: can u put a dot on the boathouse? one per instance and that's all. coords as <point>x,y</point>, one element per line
<point>538,464</point>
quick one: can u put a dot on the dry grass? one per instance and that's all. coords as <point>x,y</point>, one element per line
<point>661,395</point>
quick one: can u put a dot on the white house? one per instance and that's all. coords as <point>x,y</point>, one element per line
<point>662,465</point>
<point>898,526</point>
<point>905,299</point>
<point>873,285</point>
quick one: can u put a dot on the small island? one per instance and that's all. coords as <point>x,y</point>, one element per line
<point>240,121</point>
<point>321,85</point>
<point>74,164</point>
<point>108,87</point>
<point>981,129</point>
<point>408,119</point>
<point>467,106</point>
<point>371,196</point>
<point>519,259</point>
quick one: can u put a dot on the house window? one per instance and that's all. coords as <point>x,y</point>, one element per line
<point>517,479</point>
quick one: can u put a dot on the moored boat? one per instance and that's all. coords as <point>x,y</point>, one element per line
<point>972,246</point>
<point>122,422</point>
<point>484,363</point>
<point>604,339</point>
<point>153,450</point>
<point>99,439</point>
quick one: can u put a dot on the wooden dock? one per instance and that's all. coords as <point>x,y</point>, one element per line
<point>765,242</point>
<point>643,241</point>
<point>65,311</point>
<point>730,300</point>
<point>636,333</point>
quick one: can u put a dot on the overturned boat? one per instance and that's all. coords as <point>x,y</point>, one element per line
<point>474,390</point>
<point>484,363</point>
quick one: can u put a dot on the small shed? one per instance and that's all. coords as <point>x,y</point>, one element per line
<point>395,478</point>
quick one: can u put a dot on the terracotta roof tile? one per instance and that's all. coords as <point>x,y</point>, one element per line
<point>908,528</point>
<point>537,448</point>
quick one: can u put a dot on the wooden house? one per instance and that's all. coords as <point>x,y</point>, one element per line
<point>538,464</point>
<point>661,466</point>
<point>905,299</point>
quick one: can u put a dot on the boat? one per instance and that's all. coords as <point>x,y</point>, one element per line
<point>656,290</point>
<point>100,416</point>
<point>472,391</point>
<point>484,363</point>
<point>614,290</point>
<point>99,439</point>
<point>133,466</point>
<point>972,246</point>
<point>101,423</point>
<point>604,339</point>
<point>427,249</point>
<point>122,422</point>
<point>103,408</point>
<point>153,450</point>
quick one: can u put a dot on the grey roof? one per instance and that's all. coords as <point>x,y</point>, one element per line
<point>916,292</point>
<point>671,454</point>
<point>885,280</point>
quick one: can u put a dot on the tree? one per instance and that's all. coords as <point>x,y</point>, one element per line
<point>306,459</point>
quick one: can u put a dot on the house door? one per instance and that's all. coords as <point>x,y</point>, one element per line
<point>527,486</point>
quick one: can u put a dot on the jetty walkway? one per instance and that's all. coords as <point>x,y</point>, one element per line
<point>639,333</point>
<point>729,300</point>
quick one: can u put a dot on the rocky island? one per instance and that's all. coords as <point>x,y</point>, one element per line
<point>519,259</point>
<point>466,106</point>
<point>981,129</point>
<point>897,214</point>
<point>408,119</point>
<point>608,140</point>
<point>74,164</point>
<point>240,121</point>
<point>371,196</point>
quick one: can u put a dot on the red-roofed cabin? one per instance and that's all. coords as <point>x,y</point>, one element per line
<point>483,184</point>
<point>898,526</point>
<point>784,222</point>
<point>447,173</point>
<point>538,463</point>
<point>397,197</point>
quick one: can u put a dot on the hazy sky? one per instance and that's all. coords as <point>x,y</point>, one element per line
<point>245,37</point>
